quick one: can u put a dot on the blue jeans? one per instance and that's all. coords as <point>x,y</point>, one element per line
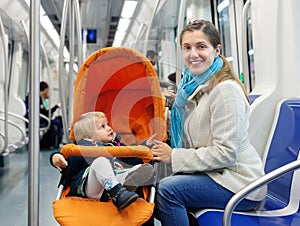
<point>178,193</point>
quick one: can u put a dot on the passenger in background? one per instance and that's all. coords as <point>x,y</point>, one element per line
<point>152,56</point>
<point>53,137</point>
<point>96,177</point>
<point>171,89</point>
<point>210,151</point>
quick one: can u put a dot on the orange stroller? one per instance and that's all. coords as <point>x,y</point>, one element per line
<point>123,84</point>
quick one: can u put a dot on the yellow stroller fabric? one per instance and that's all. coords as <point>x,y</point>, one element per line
<point>123,84</point>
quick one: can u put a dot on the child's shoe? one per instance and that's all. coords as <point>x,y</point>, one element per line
<point>122,198</point>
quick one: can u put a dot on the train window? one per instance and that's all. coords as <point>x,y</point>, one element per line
<point>224,27</point>
<point>196,9</point>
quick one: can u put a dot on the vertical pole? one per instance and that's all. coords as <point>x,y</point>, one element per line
<point>34,98</point>
<point>181,16</point>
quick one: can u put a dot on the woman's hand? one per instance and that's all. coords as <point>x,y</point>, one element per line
<point>59,161</point>
<point>169,94</point>
<point>162,152</point>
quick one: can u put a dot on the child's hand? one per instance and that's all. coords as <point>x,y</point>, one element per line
<point>118,166</point>
<point>59,161</point>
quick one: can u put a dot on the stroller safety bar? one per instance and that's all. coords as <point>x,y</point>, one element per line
<point>139,151</point>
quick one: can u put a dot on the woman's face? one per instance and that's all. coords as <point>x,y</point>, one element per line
<point>44,94</point>
<point>198,53</point>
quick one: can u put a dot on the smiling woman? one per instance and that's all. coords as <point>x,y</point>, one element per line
<point>210,152</point>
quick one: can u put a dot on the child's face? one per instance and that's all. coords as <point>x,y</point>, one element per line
<point>103,132</point>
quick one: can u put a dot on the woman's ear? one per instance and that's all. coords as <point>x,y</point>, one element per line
<point>218,50</point>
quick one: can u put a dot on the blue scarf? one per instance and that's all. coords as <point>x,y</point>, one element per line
<point>187,86</point>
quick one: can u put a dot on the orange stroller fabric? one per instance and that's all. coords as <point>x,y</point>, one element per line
<point>139,151</point>
<point>88,212</point>
<point>123,84</point>
<point>77,211</point>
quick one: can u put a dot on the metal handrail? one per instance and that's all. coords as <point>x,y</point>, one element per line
<point>244,45</point>
<point>179,29</point>
<point>61,65</point>
<point>150,25</point>
<point>16,116</point>
<point>6,87</point>
<point>42,129</point>
<point>33,148</point>
<point>79,35</point>
<point>24,139</point>
<point>50,84</point>
<point>2,136</point>
<point>240,195</point>
<point>65,118</point>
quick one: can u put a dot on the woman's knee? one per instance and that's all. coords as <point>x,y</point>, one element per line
<point>165,187</point>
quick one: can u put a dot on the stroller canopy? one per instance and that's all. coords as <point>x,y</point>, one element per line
<point>123,84</point>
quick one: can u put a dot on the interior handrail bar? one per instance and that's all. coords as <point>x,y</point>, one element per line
<point>180,26</point>
<point>42,129</point>
<point>244,46</point>
<point>2,31</point>
<point>23,133</point>
<point>240,195</point>
<point>48,69</point>
<point>68,5</point>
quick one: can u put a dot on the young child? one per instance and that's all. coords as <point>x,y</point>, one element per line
<point>94,177</point>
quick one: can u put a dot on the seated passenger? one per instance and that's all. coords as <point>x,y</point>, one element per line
<point>210,152</point>
<point>96,177</point>
<point>53,137</point>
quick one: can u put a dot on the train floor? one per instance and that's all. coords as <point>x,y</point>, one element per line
<point>14,191</point>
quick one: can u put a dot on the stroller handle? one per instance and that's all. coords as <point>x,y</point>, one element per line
<point>139,151</point>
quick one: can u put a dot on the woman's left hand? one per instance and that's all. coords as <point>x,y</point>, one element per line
<point>162,152</point>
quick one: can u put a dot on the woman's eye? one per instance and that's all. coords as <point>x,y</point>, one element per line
<point>201,46</point>
<point>186,48</point>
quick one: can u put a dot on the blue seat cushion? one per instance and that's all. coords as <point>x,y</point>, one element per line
<point>214,218</point>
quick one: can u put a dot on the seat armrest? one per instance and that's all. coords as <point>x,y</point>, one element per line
<point>240,195</point>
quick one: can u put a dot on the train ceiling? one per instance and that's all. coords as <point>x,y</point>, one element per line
<point>103,16</point>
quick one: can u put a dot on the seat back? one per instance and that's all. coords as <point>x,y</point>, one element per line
<point>283,148</point>
<point>282,199</point>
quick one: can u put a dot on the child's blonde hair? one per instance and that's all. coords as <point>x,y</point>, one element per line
<point>84,127</point>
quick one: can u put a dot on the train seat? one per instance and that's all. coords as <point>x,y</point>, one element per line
<point>281,206</point>
<point>253,97</point>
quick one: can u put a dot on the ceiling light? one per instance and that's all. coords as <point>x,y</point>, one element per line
<point>128,9</point>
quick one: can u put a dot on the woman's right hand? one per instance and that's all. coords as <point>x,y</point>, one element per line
<point>59,162</point>
<point>169,94</point>
<point>162,152</point>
